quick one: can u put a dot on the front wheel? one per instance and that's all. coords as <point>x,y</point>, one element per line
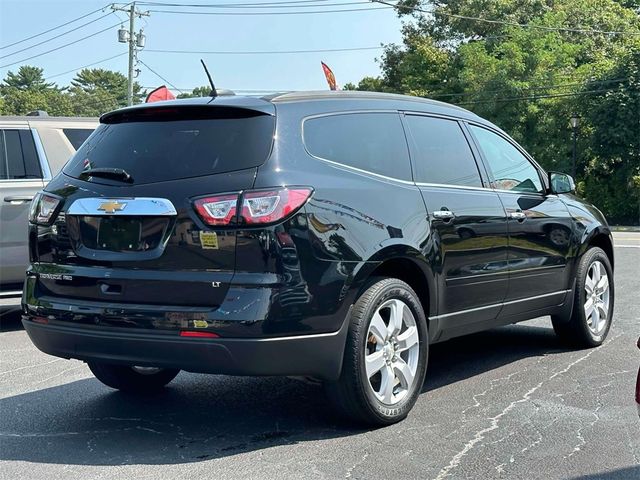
<point>133,379</point>
<point>592,313</point>
<point>385,356</point>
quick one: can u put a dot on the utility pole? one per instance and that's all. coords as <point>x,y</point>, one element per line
<point>134,40</point>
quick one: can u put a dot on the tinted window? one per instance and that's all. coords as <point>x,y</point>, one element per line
<point>166,145</point>
<point>511,169</point>
<point>18,157</point>
<point>442,152</point>
<point>374,142</point>
<point>77,136</point>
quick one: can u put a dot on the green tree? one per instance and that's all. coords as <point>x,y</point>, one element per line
<point>612,171</point>
<point>96,90</point>
<point>26,91</point>
<point>27,78</point>
<point>21,102</point>
<point>197,92</point>
<point>528,81</point>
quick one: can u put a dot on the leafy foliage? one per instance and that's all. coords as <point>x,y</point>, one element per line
<point>91,93</point>
<point>28,78</point>
<point>530,80</point>
<point>197,92</point>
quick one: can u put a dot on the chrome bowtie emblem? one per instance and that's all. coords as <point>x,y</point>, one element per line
<point>112,206</point>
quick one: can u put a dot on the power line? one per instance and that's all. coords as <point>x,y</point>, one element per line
<point>61,46</point>
<point>264,52</point>
<point>184,12</point>
<point>57,36</point>
<point>230,6</point>
<point>160,76</point>
<point>536,97</point>
<point>85,66</point>
<point>540,87</point>
<point>54,28</point>
<point>208,5</point>
<point>504,22</point>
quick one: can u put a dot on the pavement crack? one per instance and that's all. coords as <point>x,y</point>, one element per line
<point>31,366</point>
<point>479,436</point>
<point>358,463</point>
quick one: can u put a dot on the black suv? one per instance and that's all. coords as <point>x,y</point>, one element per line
<point>334,235</point>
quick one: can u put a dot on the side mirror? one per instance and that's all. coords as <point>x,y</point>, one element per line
<point>561,183</point>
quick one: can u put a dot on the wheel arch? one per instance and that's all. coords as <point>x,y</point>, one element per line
<point>406,264</point>
<point>601,238</point>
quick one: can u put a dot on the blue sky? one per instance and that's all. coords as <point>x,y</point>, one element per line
<point>22,18</point>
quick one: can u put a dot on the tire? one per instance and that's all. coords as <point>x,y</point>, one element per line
<point>374,400</point>
<point>582,330</point>
<point>132,379</point>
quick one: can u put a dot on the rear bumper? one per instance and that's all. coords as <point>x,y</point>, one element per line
<point>318,355</point>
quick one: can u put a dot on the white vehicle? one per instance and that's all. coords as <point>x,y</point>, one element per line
<point>33,149</point>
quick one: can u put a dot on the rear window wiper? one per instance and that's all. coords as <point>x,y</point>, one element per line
<point>114,173</point>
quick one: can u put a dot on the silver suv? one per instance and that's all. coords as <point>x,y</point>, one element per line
<point>33,149</point>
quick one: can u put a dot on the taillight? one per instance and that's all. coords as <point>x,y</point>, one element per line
<point>196,334</point>
<point>258,207</point>
<point>262,207</point>
<point>217,210</point>
<point>43,209</point>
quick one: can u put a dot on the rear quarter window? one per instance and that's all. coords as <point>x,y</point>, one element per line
<point>18,156</point>
<point>373,142</point>
<point>77,136</point>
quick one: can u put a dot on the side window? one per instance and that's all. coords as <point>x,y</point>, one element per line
<point>373,142</point>
<point>77,136</point>
<point>18,156</point>
<point>442,152</point>
<point>511,169</point>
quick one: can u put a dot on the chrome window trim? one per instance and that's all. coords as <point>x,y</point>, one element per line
<point>349,167</point>
<point>42,155</point>
<point>476,158</point>
<point>134,206</point>
<point>520,193</point>
<point>22,180</point>
<point>408,182</point>
<point>446,185</point>
<point>539,170</point>
<point>360,171</point>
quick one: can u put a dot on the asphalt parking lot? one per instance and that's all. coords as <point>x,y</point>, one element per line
<point>512,402</point>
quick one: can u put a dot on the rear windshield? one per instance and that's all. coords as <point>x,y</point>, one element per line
<point>157,146</point>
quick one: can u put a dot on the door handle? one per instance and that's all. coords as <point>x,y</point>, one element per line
<point>18,199</point>
<point>445,215</point>
<point>519,216</point>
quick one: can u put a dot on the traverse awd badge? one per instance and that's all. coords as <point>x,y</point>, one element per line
<point>112,206</point>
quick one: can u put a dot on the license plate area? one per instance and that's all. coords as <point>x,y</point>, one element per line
<point>115,234</point>
<point>119,234</point>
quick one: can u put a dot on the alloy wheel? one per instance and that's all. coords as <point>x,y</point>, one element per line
<point>391,356</point>
<point>596,305</point>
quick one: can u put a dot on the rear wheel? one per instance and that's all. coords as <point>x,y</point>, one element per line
<point>133,379</point>
<point>592,313</point>
<point>385,357</point>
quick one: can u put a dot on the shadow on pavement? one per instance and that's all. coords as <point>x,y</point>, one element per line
<point>202,417</point>
<point>627,473</point>
<point>10,319</point>
<point>471,355</point>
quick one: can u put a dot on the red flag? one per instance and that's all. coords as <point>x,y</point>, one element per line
<point>160,94</point>
<point>331,79</point>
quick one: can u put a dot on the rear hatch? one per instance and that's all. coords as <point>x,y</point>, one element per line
<point>128,230</point>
